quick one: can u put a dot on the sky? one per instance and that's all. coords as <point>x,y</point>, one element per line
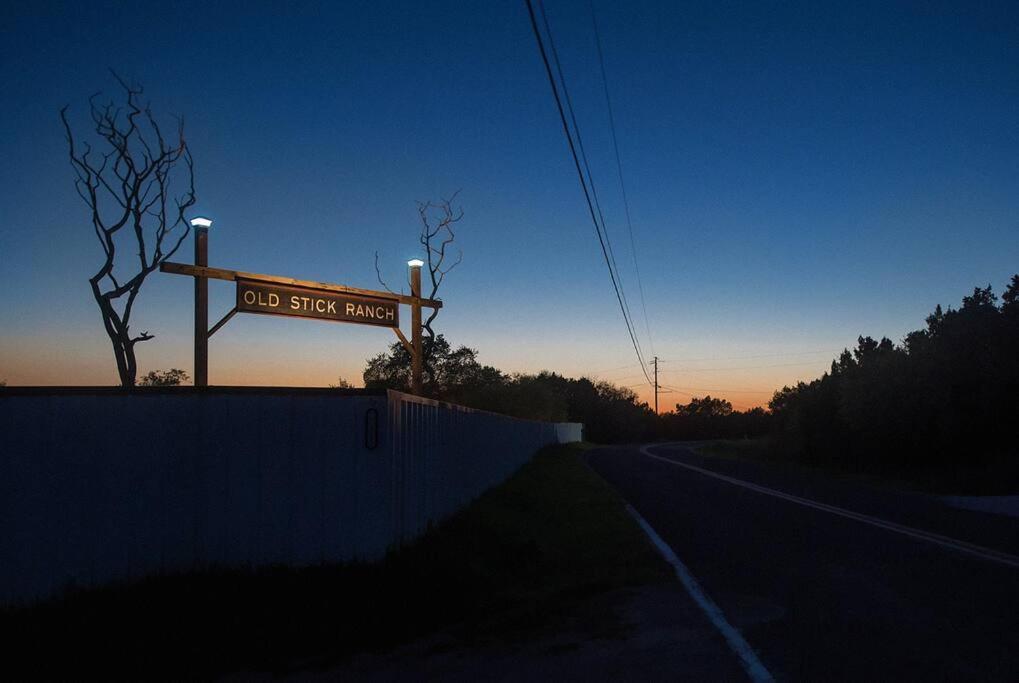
<point>797,174</point>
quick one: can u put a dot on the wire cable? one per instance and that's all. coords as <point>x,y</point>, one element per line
<point>729,391</point>
<point>622,184</point>
<point>621,367</point>
<point>614,267</point>
<point>583,182</point>
<point>784,354</point>
<point>740,367</point>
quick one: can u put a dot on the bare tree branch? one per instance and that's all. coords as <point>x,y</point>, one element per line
<point>378,274</point>
<point>130,186</point>
<point>438,220</point>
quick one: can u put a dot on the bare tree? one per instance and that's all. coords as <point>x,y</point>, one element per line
<point>126,186</point>
<point>438,220</point>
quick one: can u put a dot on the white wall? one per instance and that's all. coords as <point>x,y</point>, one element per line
<point>101,485</point>
<point>569,432</point>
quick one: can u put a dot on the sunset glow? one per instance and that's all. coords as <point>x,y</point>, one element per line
<point>750,243</point>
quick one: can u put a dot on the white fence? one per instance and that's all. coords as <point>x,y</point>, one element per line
<point>99,485</point>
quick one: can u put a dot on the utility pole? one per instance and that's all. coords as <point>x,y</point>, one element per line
<point>656,385</point>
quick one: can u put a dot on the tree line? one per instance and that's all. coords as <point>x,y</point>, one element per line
<point>610,414</point>
<point>946,393</point>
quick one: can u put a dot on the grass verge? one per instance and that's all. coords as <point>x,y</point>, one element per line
<point>513,560</point>
<point>984,476</point>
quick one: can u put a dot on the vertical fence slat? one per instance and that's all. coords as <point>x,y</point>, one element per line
<point>105,486</point>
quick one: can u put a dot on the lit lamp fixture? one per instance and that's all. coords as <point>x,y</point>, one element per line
<point>415,263</point>
<point>201,222</point>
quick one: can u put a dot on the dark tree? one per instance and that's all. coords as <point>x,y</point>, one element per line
<point>164,378</point>
<point>705,407</point>
<point>1010,299</point>
<point>125,181</point>
<point>449,373</point>
<point>946,396</point>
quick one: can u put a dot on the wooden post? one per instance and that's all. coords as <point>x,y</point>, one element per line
<point>201,309</point>
<point>415,317</point>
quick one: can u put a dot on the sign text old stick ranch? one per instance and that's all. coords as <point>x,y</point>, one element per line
<point>275,295</point>
<point>273,299</point>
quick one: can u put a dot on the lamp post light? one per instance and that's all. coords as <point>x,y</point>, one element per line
<point>415,321</point>
<point>201,226</point>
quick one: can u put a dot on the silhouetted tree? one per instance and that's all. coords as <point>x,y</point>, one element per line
<point>1010,298</point>
<point>164,378</point>
<point>610,414</point>
<point>950,390</point>
<point>705,407</point>
<point>447,373</point>
<point>711,418</point>
<point>126,184</point>
<point>436,235</point>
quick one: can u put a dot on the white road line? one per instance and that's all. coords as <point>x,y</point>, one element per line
<point>747,657</point>
<point>937,539</point>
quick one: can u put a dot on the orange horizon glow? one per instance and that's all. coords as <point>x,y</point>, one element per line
<point>754,391</point>
<point>741,401</point>
<point>45,361</point>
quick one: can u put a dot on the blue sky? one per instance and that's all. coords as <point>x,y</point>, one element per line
<point>797,174</point>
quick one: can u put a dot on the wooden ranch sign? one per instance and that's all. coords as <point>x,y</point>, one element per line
<point>275,295</point>
<point>320,304</point>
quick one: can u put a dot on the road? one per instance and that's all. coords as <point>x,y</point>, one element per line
<point>836,580</point>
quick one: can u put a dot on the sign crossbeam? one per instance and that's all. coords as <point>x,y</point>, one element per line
<point>233,275</point>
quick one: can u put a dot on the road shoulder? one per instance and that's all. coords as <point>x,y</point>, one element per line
<point>652,632</point>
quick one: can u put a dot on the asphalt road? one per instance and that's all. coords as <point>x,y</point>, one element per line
<point>823,596</point>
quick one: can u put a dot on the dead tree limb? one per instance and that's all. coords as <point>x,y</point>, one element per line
<point>438,220</point>
<point>378,274</point>
<point>126,185</point>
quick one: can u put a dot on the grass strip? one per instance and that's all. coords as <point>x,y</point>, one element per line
<point>523,552</point>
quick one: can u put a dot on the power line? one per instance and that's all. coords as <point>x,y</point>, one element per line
<point>580,175</point>
<point>763,355</point>
<point>742,367</point>
<point>621,367</point>
<point>729,391</point>
<point>718,369</point>
<point>688,389</point>
<point>674,390</point>
<point>614,267</point>
<point>617,380</point>
<point>619,167</point>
